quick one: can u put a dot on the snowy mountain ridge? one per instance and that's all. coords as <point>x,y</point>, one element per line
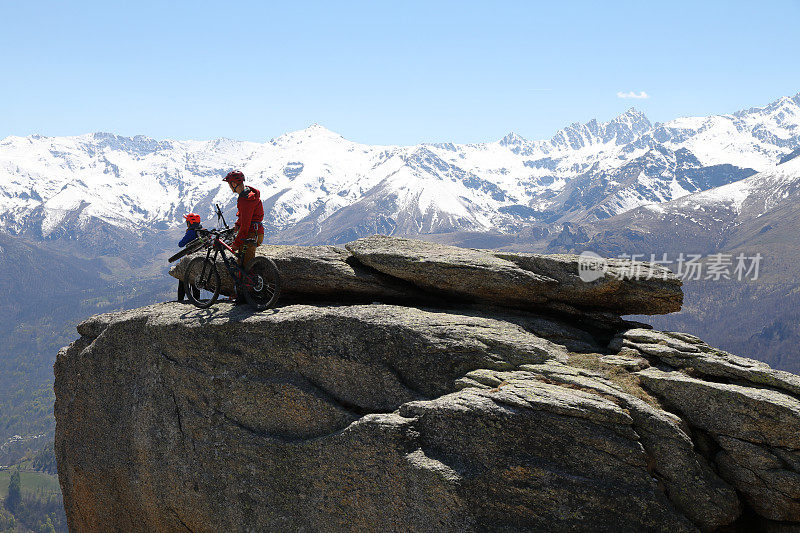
<point>750,197</point>
<point>317,180</point>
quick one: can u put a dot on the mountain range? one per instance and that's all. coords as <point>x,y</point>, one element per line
<point>319,187</point>
<point>756,216</point>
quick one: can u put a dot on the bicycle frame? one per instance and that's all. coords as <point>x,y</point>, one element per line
<point>259,288</point>
<point>218,246</point>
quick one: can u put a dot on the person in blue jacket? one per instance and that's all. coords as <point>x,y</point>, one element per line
<point>192,225</point>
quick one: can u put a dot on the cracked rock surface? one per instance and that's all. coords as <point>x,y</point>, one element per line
<point>389,417</point>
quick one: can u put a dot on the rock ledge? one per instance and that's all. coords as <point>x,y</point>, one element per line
<point>445,410</point>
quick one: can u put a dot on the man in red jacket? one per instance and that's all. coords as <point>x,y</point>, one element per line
<point>249,218</point>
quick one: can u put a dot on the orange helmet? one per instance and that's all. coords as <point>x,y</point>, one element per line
<point>193,218</point>
<point>235,176</point>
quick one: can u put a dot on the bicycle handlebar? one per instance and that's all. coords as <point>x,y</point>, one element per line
<point>217,233</point>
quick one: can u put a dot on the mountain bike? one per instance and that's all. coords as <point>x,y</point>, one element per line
<point>259,285</point>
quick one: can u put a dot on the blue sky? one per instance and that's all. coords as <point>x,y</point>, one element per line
<point>383,72</point>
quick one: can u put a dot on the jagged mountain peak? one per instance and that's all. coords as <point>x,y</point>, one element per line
<point>318,130</point>
<point>513,139</point>
<point>781,105</point>
<point>631,115</point>
<point>104,136</point>
<point>315,131</point>
<point>622,129</point>
<point>316,127</point>
<point>138,144</point>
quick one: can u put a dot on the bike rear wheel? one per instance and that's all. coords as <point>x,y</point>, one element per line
<point>262,283</point>
<point>201,282</point>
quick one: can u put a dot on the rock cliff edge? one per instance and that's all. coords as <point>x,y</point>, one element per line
<point>410,386</point>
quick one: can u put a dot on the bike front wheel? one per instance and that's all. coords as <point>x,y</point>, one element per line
<point>262,283</point>
<point>201,282</point>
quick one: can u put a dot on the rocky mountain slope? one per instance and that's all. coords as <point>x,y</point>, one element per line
<point>321,188</point>
<point>757,215</point>
<point>45,288</point>
<point>721,218</point>
<point>396,390</point>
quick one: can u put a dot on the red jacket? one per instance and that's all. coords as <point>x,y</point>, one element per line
<point>250,215</point>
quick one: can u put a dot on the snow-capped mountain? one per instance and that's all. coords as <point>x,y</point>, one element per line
<point>743,212</point>
<point>755,217</point>
<point>746,199</point>
<point>318,186</point>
